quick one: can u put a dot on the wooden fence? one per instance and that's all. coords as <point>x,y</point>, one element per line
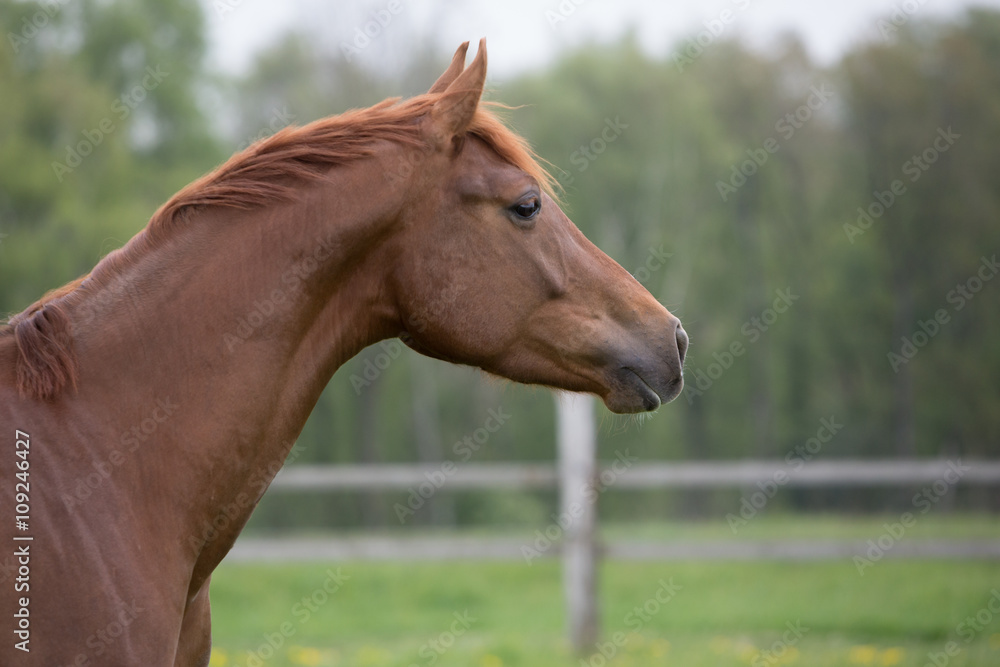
<point>576,474</point>
<point>643,475</point>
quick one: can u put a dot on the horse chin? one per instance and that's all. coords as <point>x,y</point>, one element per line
<point>630,393</point>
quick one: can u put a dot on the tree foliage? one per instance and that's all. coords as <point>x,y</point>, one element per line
<point>809,225</point>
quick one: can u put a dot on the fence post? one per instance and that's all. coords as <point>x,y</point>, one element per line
<point>577,446</point>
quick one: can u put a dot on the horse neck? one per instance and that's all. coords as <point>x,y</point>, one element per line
<point>238,320</point>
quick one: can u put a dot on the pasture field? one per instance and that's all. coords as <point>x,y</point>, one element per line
<point>719,614</point>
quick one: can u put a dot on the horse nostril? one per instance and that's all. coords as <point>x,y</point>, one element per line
<point>682,342</point>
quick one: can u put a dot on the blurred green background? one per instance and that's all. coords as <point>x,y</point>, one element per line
<point>866,191</point>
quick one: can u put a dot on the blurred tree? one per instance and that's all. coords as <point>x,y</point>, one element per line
<point>99,127</point>
<point>105,116</point>
<point>921,113</point>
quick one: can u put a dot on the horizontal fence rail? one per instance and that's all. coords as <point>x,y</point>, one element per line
<point>644,475</point>
<point>660,474</point>
<point>395,477</point>
<point>385,548</point>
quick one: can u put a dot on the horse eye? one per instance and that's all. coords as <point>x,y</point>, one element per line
<point>528,208</point>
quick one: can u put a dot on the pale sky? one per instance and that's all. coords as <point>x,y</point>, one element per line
<point>523,34</point>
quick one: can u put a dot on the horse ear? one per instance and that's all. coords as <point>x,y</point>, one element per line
<point>453,111</point>
<point>450,74</point>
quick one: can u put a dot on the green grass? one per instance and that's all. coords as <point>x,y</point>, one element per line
<point>387,614</point>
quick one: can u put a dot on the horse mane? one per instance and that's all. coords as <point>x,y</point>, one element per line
<point>46,361</point>
<point>267,172</point>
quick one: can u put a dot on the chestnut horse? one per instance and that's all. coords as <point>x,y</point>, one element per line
<point>160,392</point>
